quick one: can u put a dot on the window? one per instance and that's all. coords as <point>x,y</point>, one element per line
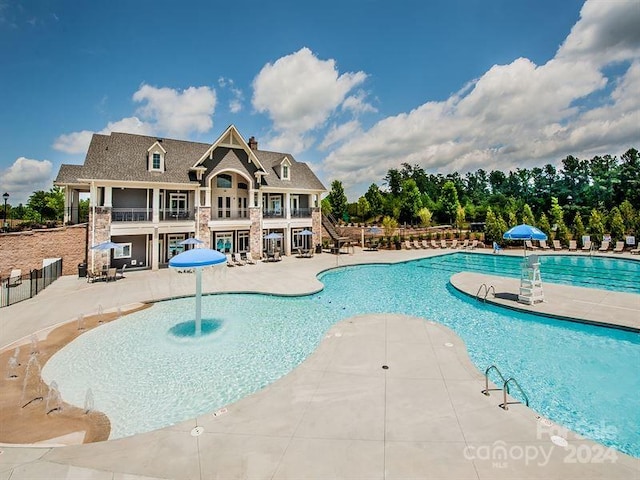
<point>123,251</point>
<point>173,244</point>
<point>224,181</point>
<point>243,241</point>
<point>155,165</point>
<point>242,186</point>
<point>224,242</point>
<point>285,169</point>
<point>285,172</point>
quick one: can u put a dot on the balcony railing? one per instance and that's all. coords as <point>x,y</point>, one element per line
<point>173,215</point>
<point>131,215</point>
<point>282,213</point>
<point>301,212</point>
<point>228,214</point>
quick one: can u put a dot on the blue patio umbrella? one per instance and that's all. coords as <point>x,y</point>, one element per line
<point>105,246</point>
<point>375,231</point>
<point>191,241</point>
<point>196,259</point>
<point>305,233</point>
<point>524,232</point>
<point>271,237</point>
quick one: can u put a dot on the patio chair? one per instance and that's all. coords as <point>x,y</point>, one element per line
<point>454,243</point>
<point>237,260</point>
<point>529,245</point>
<point>619,248</point>
<point>604,246</point>
<point>635,251</point>
<point>230,262</point>
<point>416,244</point>
<point>473,245</point>
<point>111,274</point>
<point>587,245</point>
<point>276,256</point>
<point>93,276</point>
<point>556,245</point>
<point>434,244</point>
<point>465,244</point>
<point>573,245</point>
<point>544,246</point>
<point>407,245</point>
<point>15,278</point>
<point>443,243</point>
<point>424,244</point>
<point>496,248</point>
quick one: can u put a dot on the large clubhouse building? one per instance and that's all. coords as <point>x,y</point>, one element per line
<point>149,194</point>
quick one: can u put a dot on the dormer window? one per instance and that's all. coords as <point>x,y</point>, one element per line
<point>156,155</point>
<point>285,169</point>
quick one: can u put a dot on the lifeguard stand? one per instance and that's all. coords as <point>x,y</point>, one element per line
<point>530,281</point>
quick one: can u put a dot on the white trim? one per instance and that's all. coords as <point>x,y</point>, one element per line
<point>159,145</point>
<point>119,253</point>
<point>243,145</point>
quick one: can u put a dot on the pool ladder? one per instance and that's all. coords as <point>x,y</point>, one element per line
<point>486,292</point>
<point>505,387</point>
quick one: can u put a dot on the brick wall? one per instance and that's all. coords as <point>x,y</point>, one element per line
<point>26,250</point>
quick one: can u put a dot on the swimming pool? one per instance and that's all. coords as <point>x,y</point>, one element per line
<point>149,379</point>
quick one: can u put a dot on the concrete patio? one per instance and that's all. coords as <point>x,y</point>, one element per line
<point>340,414</point>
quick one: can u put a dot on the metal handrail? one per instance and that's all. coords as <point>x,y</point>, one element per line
<point>486,380</point>
<point>480,289</point>
<point>491,287</point>
<point>505,390</point>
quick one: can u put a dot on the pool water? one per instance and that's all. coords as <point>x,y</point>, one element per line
<point>581,376</point>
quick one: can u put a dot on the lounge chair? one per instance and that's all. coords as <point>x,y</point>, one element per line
<point>276,256</point>
<point>15,278</point>
<point>424,244</point>
<point>465,244</point>
<point>635,251</point>
<point>573,245</point>
<point>407,245</point>
<point>473,245</point>
<point>237,260</point>
<point>529,245</point>
<point>587,245</point>
<point>556,245</point>
<point>496,248</point>
<point>120,273</point>
<point>544,246</point>
<point>619,248</point>
<point>434,244</point>
<point>93,276</point>
<point>454,243</point>
<point>443,243</point>
<point>604,246</point>
<point>416,244</point>
<point>230,262</point>
<point>247,258</point>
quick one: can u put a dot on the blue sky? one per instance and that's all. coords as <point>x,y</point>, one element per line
<point>354,87</point>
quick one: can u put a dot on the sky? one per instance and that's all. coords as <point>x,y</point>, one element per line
<point>352,87</point>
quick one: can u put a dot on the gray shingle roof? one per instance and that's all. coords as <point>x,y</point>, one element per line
<point>123,157</point>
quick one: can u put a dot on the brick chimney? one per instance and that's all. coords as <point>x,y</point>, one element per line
<point>253,143</point>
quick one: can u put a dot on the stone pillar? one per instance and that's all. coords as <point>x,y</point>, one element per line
<point>316,226</point>
<point>75,206</point>
<point>100,230</point>
<point>255,232</point>
<point>203,233</point>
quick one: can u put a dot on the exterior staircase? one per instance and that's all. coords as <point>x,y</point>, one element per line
<point>329,224</point>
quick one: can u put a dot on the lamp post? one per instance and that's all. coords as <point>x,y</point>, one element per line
<point>6,197</point>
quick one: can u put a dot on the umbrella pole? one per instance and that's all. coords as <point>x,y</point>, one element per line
<point>198,301</point>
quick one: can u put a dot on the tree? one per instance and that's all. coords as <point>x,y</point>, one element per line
<point>557,217</point>
<point>363,208</point>
<point>543,224</point>
<point>338,200</point>
<point>374,197</point>
<point>393,179</point>
<point>325,206</point>
<point>628,215</point>
<point>616,224</point>
<point>494,226</point>
<point>389,225</point>
<point>449,201</point>
<point>410,201</point>
<point>512,220</point>
<point>527,215</point>
<point>425,216</point>
<point>460,217</point>
<point>596,225</point>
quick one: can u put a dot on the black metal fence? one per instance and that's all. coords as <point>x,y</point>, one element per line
<point>16,288</point>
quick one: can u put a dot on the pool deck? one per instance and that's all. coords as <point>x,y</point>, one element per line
<point>339,414</point>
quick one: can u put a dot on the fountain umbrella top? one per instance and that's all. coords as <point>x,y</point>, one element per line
<point>198,257</point>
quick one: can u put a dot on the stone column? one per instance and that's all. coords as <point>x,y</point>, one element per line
<point>316,226</point>
<point>255,232</point>
<point>100,225</point>
<point>75,206</point>
<point>203,233</point>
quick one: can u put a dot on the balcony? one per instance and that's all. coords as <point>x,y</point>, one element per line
<point>174,215</point>
<point>282,213</point>
<point>229,214</point>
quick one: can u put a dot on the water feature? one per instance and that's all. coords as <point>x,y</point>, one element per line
<point>12,368</point>
<point>35,347</point>
<point>100,313</point>
<point>89,401</point>
<point>80,322</point>
<point>54,400</point>
<point>31,385</point>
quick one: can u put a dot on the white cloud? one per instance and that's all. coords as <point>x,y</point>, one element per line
<point>357,104</point>
<point>519,114</point>
<point>176,113</point>
<point>166,111</point>
<point>24,177</point>
<point>338,133</point>
<point>299,92</point>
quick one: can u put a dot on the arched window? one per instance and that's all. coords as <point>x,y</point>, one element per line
<point>242,186</point>
<point>223,180</point>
